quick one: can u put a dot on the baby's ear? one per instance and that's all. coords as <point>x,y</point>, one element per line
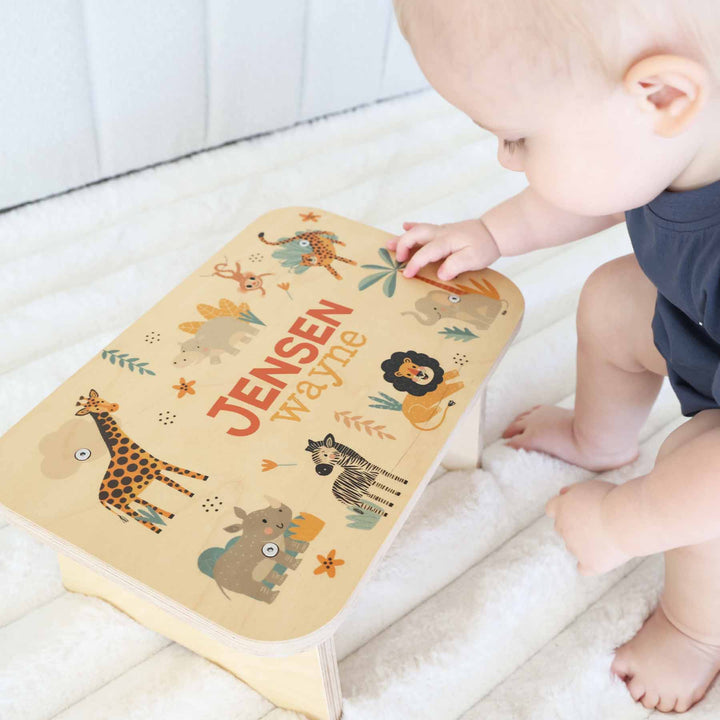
<point>672,87</point>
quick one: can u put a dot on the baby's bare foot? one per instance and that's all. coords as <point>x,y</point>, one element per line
<point>549,429</point>
<point>665,669</point>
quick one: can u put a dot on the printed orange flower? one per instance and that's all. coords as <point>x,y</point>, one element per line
<point>271,465</point>
<point>309,216</point>
<point>285,286</point>
<point>184,387</point>
<point>328,564</point>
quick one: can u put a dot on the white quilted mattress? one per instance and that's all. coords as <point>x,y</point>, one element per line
<point>477,611</point>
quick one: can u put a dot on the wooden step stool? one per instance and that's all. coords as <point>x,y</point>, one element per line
<point>230,470</point>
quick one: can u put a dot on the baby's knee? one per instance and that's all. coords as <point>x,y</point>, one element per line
<point>602,308</point>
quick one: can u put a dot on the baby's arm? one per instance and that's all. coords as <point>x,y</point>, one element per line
<point>522,223</point>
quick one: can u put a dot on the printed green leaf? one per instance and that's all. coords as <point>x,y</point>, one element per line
<point>251,317</point>
<point>389,285</point>
<point>123,360</point>
<point>148,514</point>
<point>458,334</point>
<point>362,519</point>
<point>385,255</point>
<point>371,280</point>
<point>385,402</point>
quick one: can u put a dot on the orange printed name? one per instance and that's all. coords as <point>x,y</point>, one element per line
<point>302,344</point>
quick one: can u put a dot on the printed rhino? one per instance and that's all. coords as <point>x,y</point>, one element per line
<point>473,308</point>
<point>252,558</point>
<point>215,336</point>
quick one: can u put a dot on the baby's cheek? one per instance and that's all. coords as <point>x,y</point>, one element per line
<point>566,183</point>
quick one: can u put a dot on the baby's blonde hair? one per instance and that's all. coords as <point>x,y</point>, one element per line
<point>586,37</point>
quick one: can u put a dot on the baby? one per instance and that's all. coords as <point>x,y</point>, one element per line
<point>611,109</point>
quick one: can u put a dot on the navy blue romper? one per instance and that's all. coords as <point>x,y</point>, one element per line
<point>676,239</point>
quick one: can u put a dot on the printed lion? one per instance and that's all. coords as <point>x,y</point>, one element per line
<point>412,372</point>
<point>425,383</point>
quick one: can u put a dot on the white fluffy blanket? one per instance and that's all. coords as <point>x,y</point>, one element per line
<point>477,610</point>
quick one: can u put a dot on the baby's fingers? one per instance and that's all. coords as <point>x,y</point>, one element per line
<point>434,250</point>
<point>419,234</point>
<point>392,242</point>
<point>458,262</point>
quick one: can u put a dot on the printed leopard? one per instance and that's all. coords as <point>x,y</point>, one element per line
<point>309,248</point>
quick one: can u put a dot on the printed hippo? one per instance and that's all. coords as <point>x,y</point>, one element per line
<point>214,337</point>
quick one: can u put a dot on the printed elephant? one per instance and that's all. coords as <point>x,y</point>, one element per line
<point>473,308</point>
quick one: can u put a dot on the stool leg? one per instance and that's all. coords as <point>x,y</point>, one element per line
<point>464,451</point>
<point>307,682</point>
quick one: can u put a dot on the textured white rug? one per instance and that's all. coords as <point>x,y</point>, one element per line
<point>477,611</point>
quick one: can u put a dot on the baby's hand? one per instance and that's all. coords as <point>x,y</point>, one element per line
<point>466,245</point>
<point>579,521</point>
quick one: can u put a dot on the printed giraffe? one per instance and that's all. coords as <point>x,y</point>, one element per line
<point>131,468</point>
<point>320,249</point>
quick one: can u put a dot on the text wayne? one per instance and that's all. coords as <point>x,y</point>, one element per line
<point>303,345</point>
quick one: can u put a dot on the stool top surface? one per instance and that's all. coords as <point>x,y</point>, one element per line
<point>245,451</point>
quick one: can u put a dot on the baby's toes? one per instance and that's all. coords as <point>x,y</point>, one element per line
<point>667,703</point>
<point>517,426</point>
<point>519,442</point>
<point>636,689</point>
<point>650,699</point>
<point>514,428</point>
<point>621,666</point>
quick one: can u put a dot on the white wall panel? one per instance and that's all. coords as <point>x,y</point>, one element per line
<point>401,73</point>
<point>255,56</point>
<point>46,124</point>
<point>147,64</point>
<point>344,54</point>
<point>94,88</point>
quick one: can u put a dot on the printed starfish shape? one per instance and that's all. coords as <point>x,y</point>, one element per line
<point>309,216</point>
<point>185,387</point>
<point>328,564</point>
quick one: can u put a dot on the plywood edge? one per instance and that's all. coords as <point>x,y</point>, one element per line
<point>265,648</point>
<point>307,682</point>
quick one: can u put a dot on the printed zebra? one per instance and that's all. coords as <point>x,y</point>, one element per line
<point>359,481</point>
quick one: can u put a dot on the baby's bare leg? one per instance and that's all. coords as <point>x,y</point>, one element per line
<point>674,657</point>
<point>619,374</point>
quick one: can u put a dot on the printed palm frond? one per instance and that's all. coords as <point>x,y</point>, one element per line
<point>388,271</point>
<point>369,425</point>
<point>251,317</point>
<point>458,334</point>
<point>122,360</point>
<point>385,402</point>
<point>147,513</point>
<point>361,519</point>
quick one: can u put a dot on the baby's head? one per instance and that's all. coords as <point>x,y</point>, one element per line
<point>601,103</point>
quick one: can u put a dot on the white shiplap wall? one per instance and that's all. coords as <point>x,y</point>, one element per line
<point>94,88</point>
